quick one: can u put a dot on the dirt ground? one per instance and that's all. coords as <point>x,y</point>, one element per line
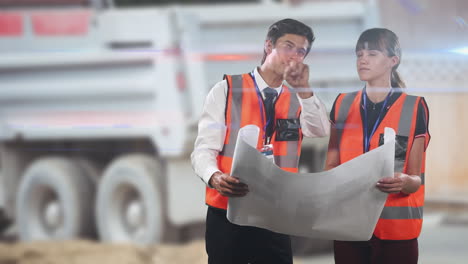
<point>86,252</point>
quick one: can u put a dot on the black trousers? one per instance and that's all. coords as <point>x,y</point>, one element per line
<point>227,243</point>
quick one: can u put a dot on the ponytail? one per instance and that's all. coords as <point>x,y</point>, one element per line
<point>396,80</point>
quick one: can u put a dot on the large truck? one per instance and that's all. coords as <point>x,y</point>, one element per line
<point>99,106</point>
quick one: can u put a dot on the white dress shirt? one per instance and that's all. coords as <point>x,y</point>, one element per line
<point>212,128</point>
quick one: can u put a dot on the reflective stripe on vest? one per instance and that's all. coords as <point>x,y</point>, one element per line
<point>343,113</point>
<point>236,115</point>
<point>292,160</point>
<point>242,108</point>
<point>401,116</point>
<point>404,126</point>
<point>394,212</point>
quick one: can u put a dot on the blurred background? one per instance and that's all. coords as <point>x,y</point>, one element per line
<point>99,103</point>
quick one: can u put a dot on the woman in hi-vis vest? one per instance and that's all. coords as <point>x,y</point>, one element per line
<point>359,119</point>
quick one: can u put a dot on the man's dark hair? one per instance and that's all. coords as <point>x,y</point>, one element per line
<point>289,26</point>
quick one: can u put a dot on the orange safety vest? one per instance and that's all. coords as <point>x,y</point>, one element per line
<point>243,107</point>
<point>401,218</point>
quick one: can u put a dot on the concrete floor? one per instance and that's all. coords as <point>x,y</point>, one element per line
<point>444,239</point>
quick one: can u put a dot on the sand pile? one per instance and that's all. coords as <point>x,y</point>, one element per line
<point>86,252</point>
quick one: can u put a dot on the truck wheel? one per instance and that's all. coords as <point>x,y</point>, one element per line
<point>54,201</point>
<point>130,203</point>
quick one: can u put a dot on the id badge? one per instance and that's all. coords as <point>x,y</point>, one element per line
<point>267,151</point>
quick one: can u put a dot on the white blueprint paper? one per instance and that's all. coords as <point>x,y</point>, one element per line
<point>339,204</point>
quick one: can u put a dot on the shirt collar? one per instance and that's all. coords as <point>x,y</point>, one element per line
<point>262,84</point>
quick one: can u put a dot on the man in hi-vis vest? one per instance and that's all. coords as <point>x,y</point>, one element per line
<point>283,114</point>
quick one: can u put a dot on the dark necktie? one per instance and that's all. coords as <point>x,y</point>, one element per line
<point>270,95</point>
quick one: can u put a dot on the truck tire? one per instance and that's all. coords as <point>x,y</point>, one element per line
<point>130,205</point>
<point>55,201</point>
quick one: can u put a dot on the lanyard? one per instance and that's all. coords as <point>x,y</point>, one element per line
<point>261,106</point>
<point>367,136</point>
